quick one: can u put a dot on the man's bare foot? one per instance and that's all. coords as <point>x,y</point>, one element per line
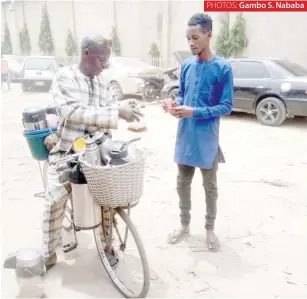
<point>212,241</point>
<point>178,235</point>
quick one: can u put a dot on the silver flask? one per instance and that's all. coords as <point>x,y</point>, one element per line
<point>92,153</point>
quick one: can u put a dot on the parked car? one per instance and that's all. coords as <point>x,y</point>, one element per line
<point>15,63</point>
<point>273,89</point>
<point>37,72</point>
<point>122,73</point>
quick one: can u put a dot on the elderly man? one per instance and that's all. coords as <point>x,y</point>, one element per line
<point>85,102</point>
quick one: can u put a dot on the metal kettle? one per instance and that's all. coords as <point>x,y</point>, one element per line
<point>119,151</point>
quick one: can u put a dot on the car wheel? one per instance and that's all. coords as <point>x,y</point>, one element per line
<point>271,112</point>
<point>149,94</point>
<point>173,94</point>
<point>116,91</point>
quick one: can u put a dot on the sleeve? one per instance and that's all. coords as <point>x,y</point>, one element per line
<point>67,96</point>
<point>180,97</point>
<point>225,104</point>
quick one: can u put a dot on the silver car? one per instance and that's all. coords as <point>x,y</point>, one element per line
<point>37,72</point>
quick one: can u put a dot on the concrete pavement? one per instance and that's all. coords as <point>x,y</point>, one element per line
<point>261,219</point>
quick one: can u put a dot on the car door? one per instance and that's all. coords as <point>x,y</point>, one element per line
<point>251,79</point>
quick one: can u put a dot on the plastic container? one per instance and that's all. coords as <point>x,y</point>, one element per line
<point>34,118</point>
<point>36,144</point>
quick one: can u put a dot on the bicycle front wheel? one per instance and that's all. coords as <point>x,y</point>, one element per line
<point>127,260</point>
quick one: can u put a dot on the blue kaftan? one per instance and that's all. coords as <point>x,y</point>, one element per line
<point>207,86</point>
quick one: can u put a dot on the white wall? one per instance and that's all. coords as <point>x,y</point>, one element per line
<point>281,35</point>
<point>269,34</point>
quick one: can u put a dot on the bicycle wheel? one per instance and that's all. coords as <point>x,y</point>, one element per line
<point>130,280</point>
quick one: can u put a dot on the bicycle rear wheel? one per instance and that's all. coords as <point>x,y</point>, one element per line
<point>104,253</point>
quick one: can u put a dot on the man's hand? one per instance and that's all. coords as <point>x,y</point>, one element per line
<point>168,104</point>
<point>182,112</point>
<point>129,110</point>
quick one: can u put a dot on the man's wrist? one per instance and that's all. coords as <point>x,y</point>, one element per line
<point>197,112</point>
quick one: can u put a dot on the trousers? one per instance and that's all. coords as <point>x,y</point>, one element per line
<point>56,196</point>
<point>184,181</point>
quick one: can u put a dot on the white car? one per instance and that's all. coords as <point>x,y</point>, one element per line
<point>122,73</point>
<point>38,72</point>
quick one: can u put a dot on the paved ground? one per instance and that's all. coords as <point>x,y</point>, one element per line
<point>261,221</point>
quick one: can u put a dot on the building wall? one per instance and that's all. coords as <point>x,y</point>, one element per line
<point>281,35</point>
<point>269,34</point>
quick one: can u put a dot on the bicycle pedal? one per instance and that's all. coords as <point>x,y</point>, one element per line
<point>70,247</point>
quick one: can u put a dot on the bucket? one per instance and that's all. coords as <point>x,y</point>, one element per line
<point>36,144</point>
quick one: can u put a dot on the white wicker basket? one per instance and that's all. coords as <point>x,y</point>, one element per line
<point>116,186</point>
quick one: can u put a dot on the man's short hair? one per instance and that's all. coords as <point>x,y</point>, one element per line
<point>203,20</point>
<point>91,42</point>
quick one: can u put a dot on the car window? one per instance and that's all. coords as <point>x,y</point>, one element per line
<point>39,64</point>
<point>251,70</point>
<point>292,68</point>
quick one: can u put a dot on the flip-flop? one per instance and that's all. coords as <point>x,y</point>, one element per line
<point>214,247</point>
<point>178,235</point>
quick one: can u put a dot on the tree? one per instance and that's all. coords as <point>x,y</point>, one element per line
<point>223,45</point>
<point>45,41</point>
<point>231,43</point>
<point>71,47</point>
<point>6,44</point>
<point>115,42</point>
<point>154,51</point>
<point>25,41</point>
<point>237,36</point>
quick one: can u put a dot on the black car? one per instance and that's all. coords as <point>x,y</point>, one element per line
<point>273,89</point>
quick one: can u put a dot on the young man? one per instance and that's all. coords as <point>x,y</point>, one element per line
<point>85,102</point>
<point>205,94</point>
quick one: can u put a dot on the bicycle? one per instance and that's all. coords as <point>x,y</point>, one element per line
<point>108,236</point>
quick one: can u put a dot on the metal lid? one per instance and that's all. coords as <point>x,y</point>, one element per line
<point>29,257</point>
<point>51,110</point>
<point>99,137</point>
<point>33,114</point>
<point>89,141</point>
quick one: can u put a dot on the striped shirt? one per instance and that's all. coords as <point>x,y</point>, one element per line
<point>82,102</point>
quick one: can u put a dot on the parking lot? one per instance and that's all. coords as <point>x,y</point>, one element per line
<point>261,220</point>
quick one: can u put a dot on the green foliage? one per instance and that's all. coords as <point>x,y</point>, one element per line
<point>115,42</point>
<point>223,46</point>
<point>154,51</point>
<point>6,44</point>
<point>237,36</point>
<point>231,43</point>
<point>24,39</point>
<point>45,41</point>
<point>71,48</point>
